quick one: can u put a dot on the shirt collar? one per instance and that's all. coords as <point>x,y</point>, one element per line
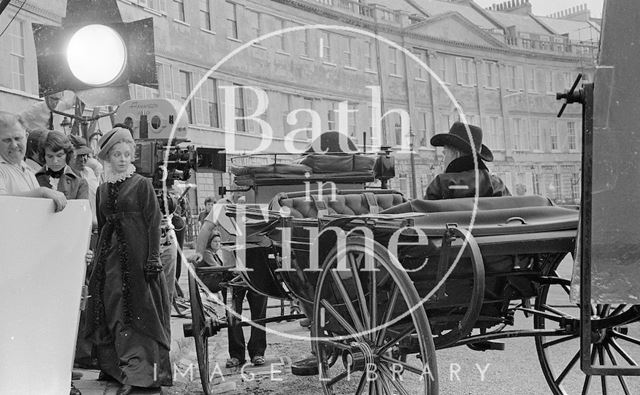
<point>22,165</point>
<point>67,171</point>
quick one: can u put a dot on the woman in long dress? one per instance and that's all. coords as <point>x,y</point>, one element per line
<point>129,310</point>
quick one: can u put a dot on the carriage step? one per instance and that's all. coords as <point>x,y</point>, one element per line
<point>485,345</point>
<point>305,367</point>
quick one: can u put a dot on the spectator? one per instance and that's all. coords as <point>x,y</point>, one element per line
<point>56,152</point>
<point>34,140</point>
<point>16,178</point>
<point>180,226</point>
<point>128,311</point>
<point>168,241</point>
<point>82,155</point>
<point>255,252</point>
<point>208,203</point>
<point>459,178</point>
<point>211,258</point>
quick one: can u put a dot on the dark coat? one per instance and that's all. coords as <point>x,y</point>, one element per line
<point>458,181</point>
<point>71,184</point>
<point>145,305</point>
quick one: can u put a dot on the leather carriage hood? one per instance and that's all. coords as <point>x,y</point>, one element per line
<point>495,215</point>
<point>467,204</point>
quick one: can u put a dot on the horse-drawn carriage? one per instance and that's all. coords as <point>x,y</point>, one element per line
<point>386,282</point>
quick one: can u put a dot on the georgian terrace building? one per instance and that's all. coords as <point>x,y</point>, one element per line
<point>503,66</point>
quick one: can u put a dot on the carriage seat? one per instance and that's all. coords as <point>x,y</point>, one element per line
<point>467,204</point>
<point>345,202</point>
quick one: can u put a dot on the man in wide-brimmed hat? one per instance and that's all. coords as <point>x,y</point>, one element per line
<point>461,144</point>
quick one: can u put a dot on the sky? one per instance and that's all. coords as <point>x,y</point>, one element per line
<point>546,7</point>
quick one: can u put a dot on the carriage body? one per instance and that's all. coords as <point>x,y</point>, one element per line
<point>520,239</point>
<point>468,264</point>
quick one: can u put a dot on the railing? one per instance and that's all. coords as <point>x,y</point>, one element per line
<point>580,48</point>
<point>360,10</point>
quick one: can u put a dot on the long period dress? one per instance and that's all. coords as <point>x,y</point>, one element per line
<point>128,316</point>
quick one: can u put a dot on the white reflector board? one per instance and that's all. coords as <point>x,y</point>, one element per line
<point>43,270</point>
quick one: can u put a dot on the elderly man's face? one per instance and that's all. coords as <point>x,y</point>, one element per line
<point>79,162</point>
<point>12,143</point>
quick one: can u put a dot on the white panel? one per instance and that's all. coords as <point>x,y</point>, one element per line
<point>43,270</point>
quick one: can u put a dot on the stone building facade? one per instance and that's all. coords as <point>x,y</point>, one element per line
<point>502,65</point>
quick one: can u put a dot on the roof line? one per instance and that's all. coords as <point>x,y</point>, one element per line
<point>487,15</point>
<point>543,24</point>
<point>454,14</point>
<point>413,4</point>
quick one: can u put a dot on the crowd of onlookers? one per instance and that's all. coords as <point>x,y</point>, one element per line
<point>125,327</point>
<point>133,260</point>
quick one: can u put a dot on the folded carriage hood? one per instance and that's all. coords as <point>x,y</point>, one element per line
<point>495,215</point>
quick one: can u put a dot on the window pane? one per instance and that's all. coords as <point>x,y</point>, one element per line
<point>232,24</point>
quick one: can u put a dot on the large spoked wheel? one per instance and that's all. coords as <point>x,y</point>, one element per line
<point>615,341</point>
<point>356,304</point>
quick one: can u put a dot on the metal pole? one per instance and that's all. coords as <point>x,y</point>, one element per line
<point>380,79</point>
<point>414,192</point>
<point>364,139</point>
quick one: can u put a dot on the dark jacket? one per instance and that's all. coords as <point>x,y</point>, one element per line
<point>458,181</point>
<point>71,184</point>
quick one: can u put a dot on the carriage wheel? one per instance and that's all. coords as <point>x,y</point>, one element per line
<point>615,341</point>
<point>200,329</point>
<point>355,302</point>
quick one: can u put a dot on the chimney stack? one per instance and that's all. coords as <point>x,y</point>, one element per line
<point>522,7</point>
<point>577,13</point>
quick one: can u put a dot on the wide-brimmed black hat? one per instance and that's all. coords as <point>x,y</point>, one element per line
<point>458,137</point>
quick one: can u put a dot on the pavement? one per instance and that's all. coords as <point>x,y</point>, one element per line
<point>185,367</point>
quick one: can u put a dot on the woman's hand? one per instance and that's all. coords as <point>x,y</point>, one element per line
<point>152,271</point>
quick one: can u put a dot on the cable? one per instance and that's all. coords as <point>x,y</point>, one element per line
<point>14,17</point>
